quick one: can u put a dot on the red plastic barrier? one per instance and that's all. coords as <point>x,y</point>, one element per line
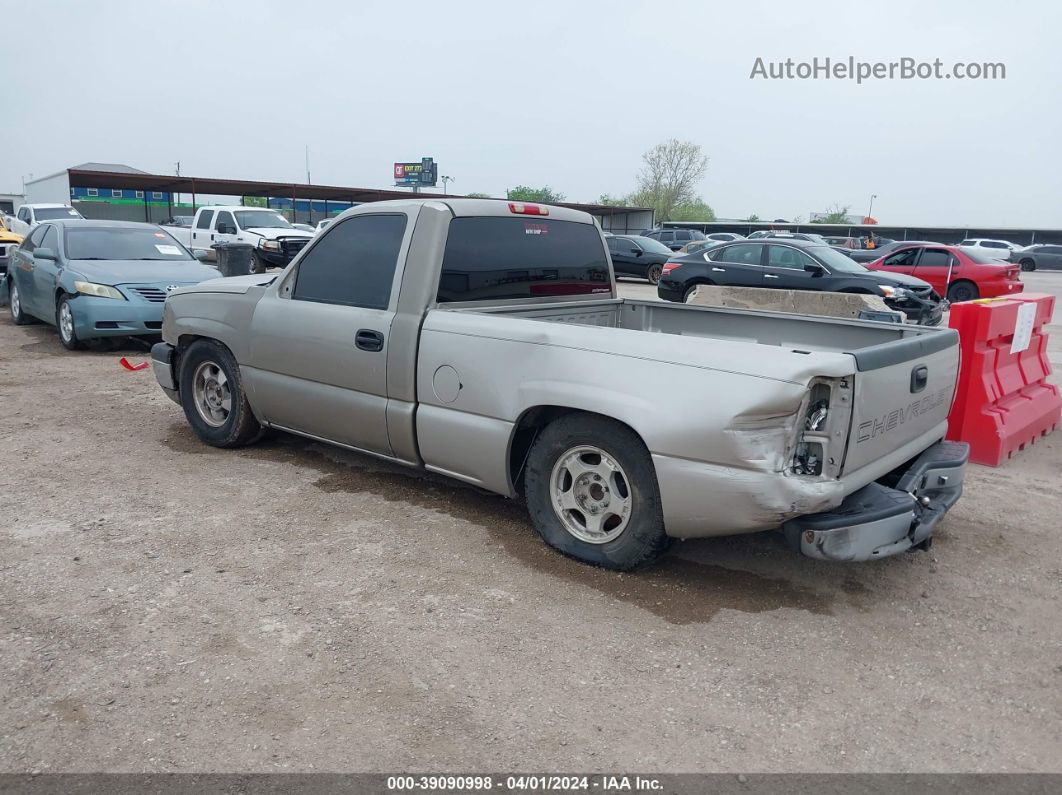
<point>1003,401</point>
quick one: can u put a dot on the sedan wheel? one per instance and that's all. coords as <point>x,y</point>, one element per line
<point>64,322</point>
<point>654,273</point>
<point>1028,265</point>
<point>14,301</point>
<point>962,291</point>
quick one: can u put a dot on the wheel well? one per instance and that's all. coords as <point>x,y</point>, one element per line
<point>527,429</point>
<point>964,281</point>
<point>1027,261</point>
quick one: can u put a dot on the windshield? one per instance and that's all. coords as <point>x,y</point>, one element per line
<point>118,242</point>
<point>652,246</point>
<point>261,219</point>
<point>835,260</point>
<point>51,213</point>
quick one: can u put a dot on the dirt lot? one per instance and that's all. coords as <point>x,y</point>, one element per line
<point>165,606</point>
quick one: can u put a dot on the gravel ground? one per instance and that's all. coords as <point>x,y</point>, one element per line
<point>165,606</point>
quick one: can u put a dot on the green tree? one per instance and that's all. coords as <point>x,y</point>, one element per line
<point>695,210</point>
<point>669,175</point>
<point>836,214</point>
<point>523,193</point>
<point>477,196</point>
<point>753,219</point>
<point>613,201</point>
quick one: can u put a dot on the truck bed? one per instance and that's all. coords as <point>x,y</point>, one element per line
<point>872,344</point>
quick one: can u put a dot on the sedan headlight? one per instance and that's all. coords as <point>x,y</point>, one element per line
<point>898,293</point>
<point>269,245</point>
<point>98,290</point>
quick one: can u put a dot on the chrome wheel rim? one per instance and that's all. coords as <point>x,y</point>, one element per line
<point>13,299</point>
<point>591,494</point>
<point>213,399</point>
<point>66,322</point>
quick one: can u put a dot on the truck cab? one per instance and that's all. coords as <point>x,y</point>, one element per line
<point>29,215</point>
<point>275,240</point>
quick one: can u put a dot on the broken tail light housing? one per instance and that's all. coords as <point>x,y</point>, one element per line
<point>823,427</point>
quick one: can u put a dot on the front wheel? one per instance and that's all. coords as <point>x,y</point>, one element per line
<point>653,273</point>
<point>592,493</point>
<point>64,322</point>
<point>963,291</point>
<point>1027,265</point>
<point>213,399</point>
<point>257,264</point>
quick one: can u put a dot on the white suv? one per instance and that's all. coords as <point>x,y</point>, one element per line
<point>1000,249</point>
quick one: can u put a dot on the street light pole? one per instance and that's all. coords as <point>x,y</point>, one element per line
<point>870,212</point>
<point>446,181</point>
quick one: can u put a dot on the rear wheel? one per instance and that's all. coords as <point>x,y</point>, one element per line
<point>64,322</point>
<point>653,273</point>
<point>592,493</point>
<point>14,301</point>
<point>690,291</point>
<point>212,396</point>
<point>963,291</point>
<point>1028,265</point>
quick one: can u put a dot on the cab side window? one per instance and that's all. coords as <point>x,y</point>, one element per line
<point>51,240</point>
<point>742,254</point>
<point>785,257</point>
<point>354,264</point>
<point>204,220</point>
<point>225,222</point>
<point>934,257</point>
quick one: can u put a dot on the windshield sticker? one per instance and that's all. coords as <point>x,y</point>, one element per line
<point>172,250</point>
<point>161,234</point>
<point>535,229</point>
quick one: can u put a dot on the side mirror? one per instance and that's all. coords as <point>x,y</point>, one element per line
<point>201,254</point>
<point>636,252</point>
<point>814,269</point>
<point>44,253</point>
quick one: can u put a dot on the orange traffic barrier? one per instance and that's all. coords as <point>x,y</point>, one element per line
<point>1003,400</point>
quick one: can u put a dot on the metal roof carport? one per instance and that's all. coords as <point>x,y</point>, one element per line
<point>625,219</point>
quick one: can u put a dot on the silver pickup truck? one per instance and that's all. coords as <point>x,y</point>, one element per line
<point>484,340</point>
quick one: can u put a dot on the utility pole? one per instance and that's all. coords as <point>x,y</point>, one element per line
<point>446,181</point>
<point>308,164</point>
<point>178,196</point>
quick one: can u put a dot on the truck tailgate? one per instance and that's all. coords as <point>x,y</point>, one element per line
<point>903,390</point>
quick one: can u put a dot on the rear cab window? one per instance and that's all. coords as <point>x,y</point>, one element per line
<point>498,258</point>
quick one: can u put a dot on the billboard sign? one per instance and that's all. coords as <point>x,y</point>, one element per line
<point>423,174</point>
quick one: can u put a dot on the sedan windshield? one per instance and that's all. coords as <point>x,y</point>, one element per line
<point>123,242</point>
<point>261,219</point>
<point>835,260</point>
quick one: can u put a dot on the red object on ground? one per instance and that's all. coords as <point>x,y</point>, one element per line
<point>1003,401</point>
<point>955,273</point>
<point>125,363</point>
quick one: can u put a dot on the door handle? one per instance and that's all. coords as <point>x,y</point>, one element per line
<point>719,270</point>
<point>769,276</point>
<point>369,340</point>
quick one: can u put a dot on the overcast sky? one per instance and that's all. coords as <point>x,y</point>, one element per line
<point>568,94</point>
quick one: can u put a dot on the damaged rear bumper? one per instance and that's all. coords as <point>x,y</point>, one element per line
<point>881,520</point>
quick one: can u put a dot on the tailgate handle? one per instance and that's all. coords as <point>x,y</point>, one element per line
<point>919,378</point>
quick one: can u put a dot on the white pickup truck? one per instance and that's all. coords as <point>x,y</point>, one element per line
<point>275,240</point>
<point>484,340</point>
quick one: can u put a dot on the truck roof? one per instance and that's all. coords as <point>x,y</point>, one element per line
<point>496,207</point>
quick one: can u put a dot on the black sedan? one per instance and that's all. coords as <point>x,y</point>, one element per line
<point>797,265</point>
<point>1039,256</point>
<point>633,255</point>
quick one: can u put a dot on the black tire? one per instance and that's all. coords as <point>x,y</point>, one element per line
<point>257,264</point>
<point>234,427</point>
<point>1028,265</point>
<point>653,273</point>
<point>963,291</point>
<point>642,539</point>
<point>67,332</point>
<point>14,305</point>
<point>689,291</point>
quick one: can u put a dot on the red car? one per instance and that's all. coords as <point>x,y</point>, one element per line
<point>958,273</point>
